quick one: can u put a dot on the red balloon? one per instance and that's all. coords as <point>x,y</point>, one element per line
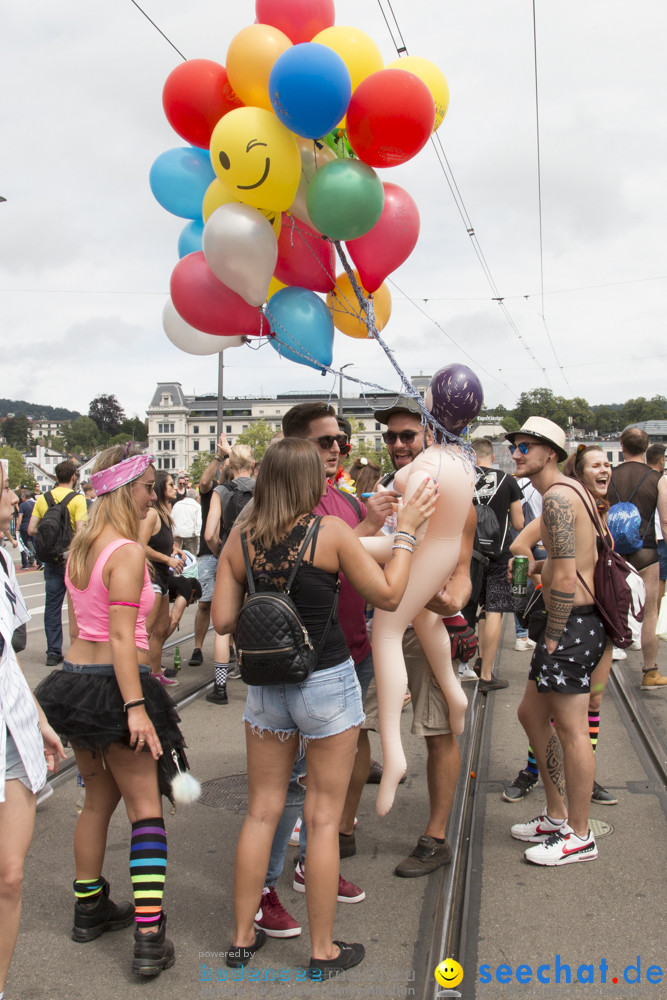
<point>300,20</point>
<point>390,117</point>
<point>208,305</point>
<point>391,240</point>
<point>305,257</point>
<point>195,97</point>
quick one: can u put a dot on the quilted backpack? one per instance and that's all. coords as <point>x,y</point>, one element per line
<point>272,643</point>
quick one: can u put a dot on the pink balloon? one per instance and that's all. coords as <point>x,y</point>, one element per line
<point>391,240</point>
<point>305,257</point>
<point>208,305</point>
<point>300,20</point>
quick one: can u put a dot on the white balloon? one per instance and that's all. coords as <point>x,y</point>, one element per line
<point>190,340</point>
<point>241,249</point>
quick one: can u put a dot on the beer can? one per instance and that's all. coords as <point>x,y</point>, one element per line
<point>519,576</point>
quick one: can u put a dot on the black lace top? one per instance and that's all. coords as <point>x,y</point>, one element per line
<point>312,592</point>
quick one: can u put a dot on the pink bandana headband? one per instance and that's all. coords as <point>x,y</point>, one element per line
<point>120,474</point>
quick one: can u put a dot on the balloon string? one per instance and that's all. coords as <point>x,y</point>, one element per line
<point>408,388</point>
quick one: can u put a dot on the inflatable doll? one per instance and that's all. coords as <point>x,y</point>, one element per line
<point>454,399</point>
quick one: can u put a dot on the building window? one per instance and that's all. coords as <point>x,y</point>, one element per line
<point>159,446</point>
<point>195,445</point>
<point>211,429</point>
<point>378,427</point>
<point>195,430</point>
<point>211,446</point>
<point>166,399</point>
<point>228,429</point>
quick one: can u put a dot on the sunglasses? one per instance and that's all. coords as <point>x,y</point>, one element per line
<point>149,487</point>
<point>326,442</point>
<point>524,447</point>
<point>406,437</point>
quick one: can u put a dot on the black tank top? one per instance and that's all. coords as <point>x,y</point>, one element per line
<point>641,482</point>
<point>162,541</point>
<point>313,590</point>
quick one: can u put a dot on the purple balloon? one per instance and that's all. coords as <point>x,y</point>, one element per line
<point>455,397</point>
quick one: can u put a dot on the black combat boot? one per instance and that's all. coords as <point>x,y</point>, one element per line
<point>93,919</point>
<point>153,952</point>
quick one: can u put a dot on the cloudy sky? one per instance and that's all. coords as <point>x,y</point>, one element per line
<point>87,253</point>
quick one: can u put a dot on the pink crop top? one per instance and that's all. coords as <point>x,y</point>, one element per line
<point>91,606</point>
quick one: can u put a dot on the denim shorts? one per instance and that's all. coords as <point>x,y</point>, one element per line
<point>662,556</point>
<point>327,703</point>
<point>14,766</point>
<point>207,567</point>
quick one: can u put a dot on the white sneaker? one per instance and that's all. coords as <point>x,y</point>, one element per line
<point>636,644</point>
<point>466,674</point>
<point>619,654</point>
<point>523,645</point>
<point>294,838</point>
<point>537,829</point>
<point>563,848</point>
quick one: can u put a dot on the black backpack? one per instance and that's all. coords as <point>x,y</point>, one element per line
<point>234,496</point>
<point>489,538</point>
<point>272,643</point>
<point>54,534</point>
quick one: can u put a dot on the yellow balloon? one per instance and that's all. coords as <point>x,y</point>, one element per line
<point>357,50</point>
<point>250,58</point>
<point>256,158</point>
<point>432,76</point>
<point>274,286</point>
<point>218,194</point>
<point>348,315</point>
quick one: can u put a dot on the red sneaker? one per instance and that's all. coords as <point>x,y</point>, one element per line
<point>347,891</point>
<point>273,918</point>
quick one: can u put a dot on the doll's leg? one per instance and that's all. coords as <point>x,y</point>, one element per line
<point>379,547</point>
<point>434,638</point>
<point>391,681</point>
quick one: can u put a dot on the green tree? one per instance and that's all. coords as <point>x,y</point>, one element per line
<point>135,428</point>
<point>82,435</point>
<point>57,443</point>
<point>18,474</point>
<point>200,463</point>
<point>258,435</point>
<point>107,413</point>
<point>15,431</point>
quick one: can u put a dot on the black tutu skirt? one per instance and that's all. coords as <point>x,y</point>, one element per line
<point>87,711</point>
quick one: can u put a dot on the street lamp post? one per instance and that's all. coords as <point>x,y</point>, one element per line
<point>340,385</point>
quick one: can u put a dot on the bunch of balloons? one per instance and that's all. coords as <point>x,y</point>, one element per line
<point>285,141</point>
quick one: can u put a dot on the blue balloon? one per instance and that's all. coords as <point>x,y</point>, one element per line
<point>179,179</point>
<point>310,89</point>
<point>190,240</point>
<point>302,327</point>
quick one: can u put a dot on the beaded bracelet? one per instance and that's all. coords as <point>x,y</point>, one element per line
<point>134,704</point>
<point>405,547</point>
<point>405,534</point>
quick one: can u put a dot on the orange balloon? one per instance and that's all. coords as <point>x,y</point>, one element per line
<point>250,58</point>
<point>349,316</point>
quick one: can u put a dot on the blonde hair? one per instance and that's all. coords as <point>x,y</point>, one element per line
<point>241,457</point>
<point>117,509</point>
<point>289,484</point>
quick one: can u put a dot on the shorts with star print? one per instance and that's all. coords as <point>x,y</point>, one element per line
<point>568,669</point>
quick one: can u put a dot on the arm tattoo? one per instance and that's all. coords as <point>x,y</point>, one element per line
<point>558,522</point>
<point>554,760</point>
<point>560,606</point>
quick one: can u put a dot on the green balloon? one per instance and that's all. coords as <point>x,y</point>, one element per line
<point>345,199</point>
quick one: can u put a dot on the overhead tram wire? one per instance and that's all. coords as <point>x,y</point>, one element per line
<point>436,142</point>
<point>473,361</point>
<point>539,205</point>
<point>184,58</point>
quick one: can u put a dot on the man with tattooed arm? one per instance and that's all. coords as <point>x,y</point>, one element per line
<point>564,659</point>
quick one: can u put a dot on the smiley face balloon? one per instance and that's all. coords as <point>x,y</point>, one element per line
<point>448,973</point>
<point>256,158</point>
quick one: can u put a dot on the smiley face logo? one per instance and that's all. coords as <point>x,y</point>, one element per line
<point>256,158</point>
<point>448,973</point>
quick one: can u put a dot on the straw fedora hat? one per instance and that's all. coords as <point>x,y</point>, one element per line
<point>543,430</point>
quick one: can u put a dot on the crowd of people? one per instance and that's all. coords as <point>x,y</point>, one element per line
<point>389,563</point>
